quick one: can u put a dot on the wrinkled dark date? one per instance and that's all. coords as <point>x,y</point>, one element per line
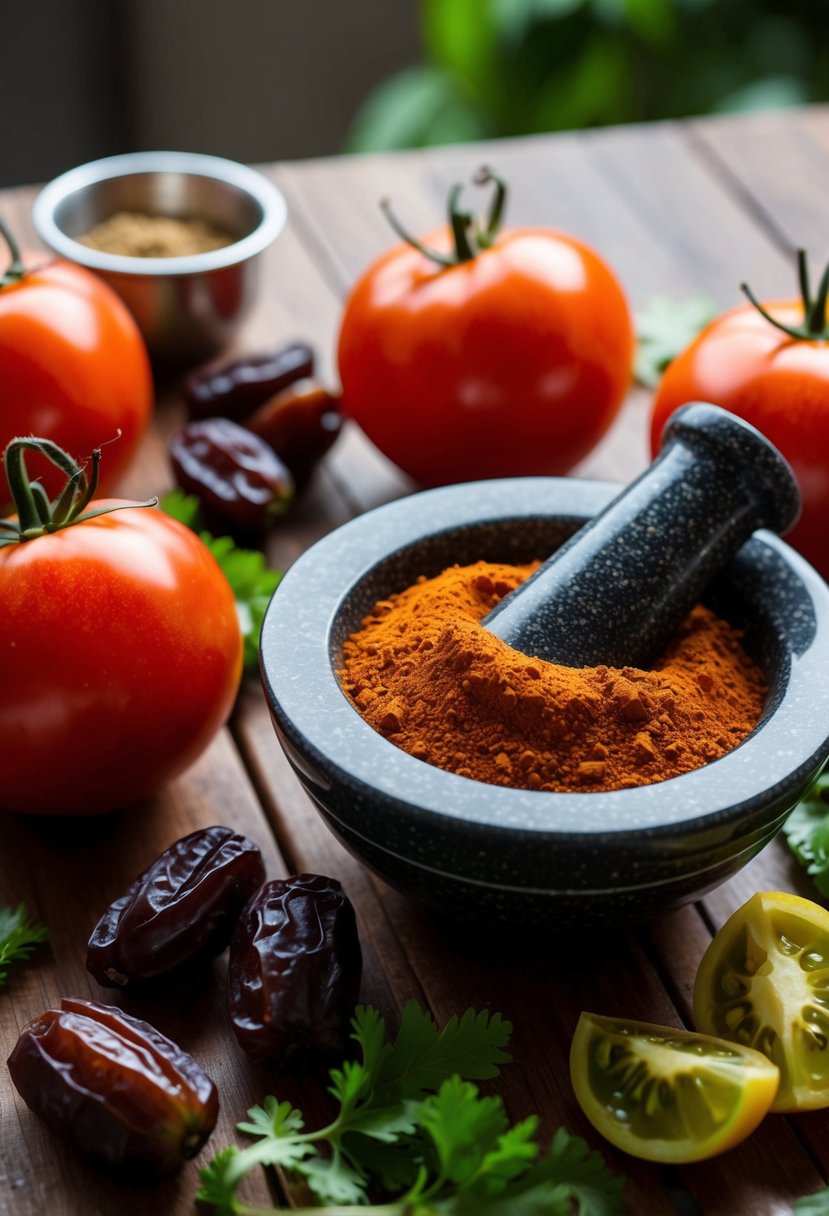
<point>294,970</point>
<point>115,1087</point>
<point>300,424</point>
<point>236,389</point>
<point>236,475</point>
<point>181,912</point>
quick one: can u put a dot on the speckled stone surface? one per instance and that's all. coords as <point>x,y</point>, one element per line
<point>520,857</point>
<point>617,591</point>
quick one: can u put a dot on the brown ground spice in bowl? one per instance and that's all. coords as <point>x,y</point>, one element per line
<point>134,234</point>
<point>425,673</point>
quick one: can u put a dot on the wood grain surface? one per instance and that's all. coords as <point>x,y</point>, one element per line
<point>676,209</point>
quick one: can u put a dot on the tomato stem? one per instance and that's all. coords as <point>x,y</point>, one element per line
<point>15,270</point>
<point>470,238</point>
<point>817,317</point>
<point>37,514</point>
<point>441,258</point>
<point>814,325</point>
<point>803,276</point>
<point>460,223</point>
<point>484,177</point>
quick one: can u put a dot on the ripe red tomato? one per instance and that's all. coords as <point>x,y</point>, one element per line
<point>119,660</point>
<point>511,361</point>
<point>778,383</point>
<point>73,368</point>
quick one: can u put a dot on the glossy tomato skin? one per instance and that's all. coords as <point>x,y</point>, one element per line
<point>120,657</point>
<point>513,363</point>
<point>780,385</point>
<point>73,368</point>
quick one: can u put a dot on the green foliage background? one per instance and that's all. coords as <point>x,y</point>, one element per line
<point>510,67</point>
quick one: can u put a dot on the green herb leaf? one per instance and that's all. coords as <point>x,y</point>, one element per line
<point>183,507</point>
<point>251,579</point>
<point>513,1153</point>
<point>813,1205</point>
<point>664,329</point>
<point>18,938</point>
<point>807,832</point>
<point>573,1170</point>
<point>409,1123</point>
<point>219,1181</point>
<point>423,1056</point>
<point>274,1119</point>
<point>463,1127</point>
<point>334,1180</point>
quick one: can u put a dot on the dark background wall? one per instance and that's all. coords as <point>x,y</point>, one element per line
<point>250,79</point>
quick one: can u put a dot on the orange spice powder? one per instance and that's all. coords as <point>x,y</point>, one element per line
<point>424,672</point>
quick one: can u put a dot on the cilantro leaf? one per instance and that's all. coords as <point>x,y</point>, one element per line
<point>807,832</point>
<point>18,937</point>
<point>349,1084</point>
<point>395,1167</point>
<point>385,1123</point>
<point>813,1205</point>
<point>579,1173</point>
<point>369,1031</point>
<point>272,1119</point>
<point>219,1181</point>
<point>663,330</point>
<point>463,1127</point>
<point>333,1180</point>
<point>183,507</point>
<point>252,581</point>
<point>513,1153</point>
<point>423,1056</point>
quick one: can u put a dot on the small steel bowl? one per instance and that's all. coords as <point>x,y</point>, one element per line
<point>513,857</point>
<point>189,307</point>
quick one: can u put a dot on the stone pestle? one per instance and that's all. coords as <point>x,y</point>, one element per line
<point>617,590</point>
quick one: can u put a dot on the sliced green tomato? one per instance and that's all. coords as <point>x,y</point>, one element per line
<point>666,1094</point>
<point>764,982</point>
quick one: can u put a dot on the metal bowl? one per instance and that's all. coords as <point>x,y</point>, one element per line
<point>514,857</point>
<point>186,307</point>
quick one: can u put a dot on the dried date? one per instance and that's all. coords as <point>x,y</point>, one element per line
<point>294,970</point>
<point>181,912</point>
<point>116,1087</point>
<point>300,424</point>
<point>235,389</point>
<point>236,475</point>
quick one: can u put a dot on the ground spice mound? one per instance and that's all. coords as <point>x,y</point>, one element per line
<point>425,673</point>
<point>136,235</point>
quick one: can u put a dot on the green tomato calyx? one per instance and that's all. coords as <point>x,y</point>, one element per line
<point>37,514</point>
<point>471,237</point>
<point>15,271</point>
<point>814,327</point>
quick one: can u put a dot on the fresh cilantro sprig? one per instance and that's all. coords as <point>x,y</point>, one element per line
<point>18,937</point>
<point>807,831</point>
<point>663,331</point>
<point>411,1123</point>
<point>813,1205</point>
<point>251,579</point>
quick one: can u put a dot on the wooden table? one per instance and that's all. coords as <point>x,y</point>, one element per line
<point>677,209</point>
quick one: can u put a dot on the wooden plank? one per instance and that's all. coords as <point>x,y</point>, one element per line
<point>775,166</point>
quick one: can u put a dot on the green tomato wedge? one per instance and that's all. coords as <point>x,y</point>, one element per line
<point>665,1094</point>
<point>764,982</point>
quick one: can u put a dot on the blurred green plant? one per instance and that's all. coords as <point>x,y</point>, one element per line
<point>512,67</point>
